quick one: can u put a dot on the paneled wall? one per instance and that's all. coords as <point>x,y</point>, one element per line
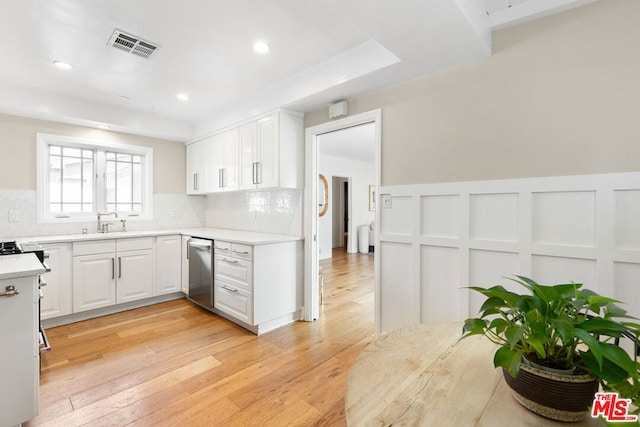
<point>436,239</point>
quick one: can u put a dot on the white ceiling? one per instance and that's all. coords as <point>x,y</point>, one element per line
<point>321,51</point>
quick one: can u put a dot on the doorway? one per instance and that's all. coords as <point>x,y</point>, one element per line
<point>341,194</point>
<point>359,195</point>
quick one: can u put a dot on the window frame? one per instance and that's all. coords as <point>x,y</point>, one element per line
<point>43,141</point>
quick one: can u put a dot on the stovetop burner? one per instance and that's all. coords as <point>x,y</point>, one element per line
<point>10,248</point>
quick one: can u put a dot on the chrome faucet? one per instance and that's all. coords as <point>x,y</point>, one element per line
<point>101,227</point>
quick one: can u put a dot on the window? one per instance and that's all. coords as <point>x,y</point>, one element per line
<point>78,178</point>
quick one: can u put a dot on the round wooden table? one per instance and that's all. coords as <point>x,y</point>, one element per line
<point>423,376</point>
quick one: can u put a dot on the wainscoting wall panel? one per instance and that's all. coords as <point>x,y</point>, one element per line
<point>437,239</point>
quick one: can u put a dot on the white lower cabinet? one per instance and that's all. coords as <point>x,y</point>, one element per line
<point>234,301</point>
<point>57,293</point>
<point>135,275</point>
<point>108,272</point>
<point>185,265</point>
<point>260,286</point>
<point>94,281</point>
<point>168,264</point>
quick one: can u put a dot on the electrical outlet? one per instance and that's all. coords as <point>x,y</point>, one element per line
<point>386,201</point>
<point>14,215</point>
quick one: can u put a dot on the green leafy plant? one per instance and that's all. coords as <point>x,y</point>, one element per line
<point>560,326</point>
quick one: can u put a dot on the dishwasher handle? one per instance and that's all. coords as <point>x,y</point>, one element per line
<point>198,245</point>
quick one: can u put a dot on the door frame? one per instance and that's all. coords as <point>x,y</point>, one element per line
<point>311,307</point>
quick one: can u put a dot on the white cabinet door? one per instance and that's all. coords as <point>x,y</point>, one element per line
<point>248,139</point>
<point>135,275</point>
<point>222,161</point>
<point>259,153</point>
<point>168,264</point>
<point>196,171</point>
<point>215,162</point>
<point>57,294</point>
<point>185,265</point>
<point>231,151</point>
<point>268,157</point>
<point>19,376</point>
<point>94,281</point>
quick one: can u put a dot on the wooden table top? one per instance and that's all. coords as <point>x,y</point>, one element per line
<point>422,376</point>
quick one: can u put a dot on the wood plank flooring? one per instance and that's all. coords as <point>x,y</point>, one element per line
<point>176,364</point>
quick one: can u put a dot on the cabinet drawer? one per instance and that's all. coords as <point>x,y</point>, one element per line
<point>233,270</point>
<point>91,247</point>
<point>239,250</point>
<point>234,301</point>
<point>135,244</point>
<point>221,247</point>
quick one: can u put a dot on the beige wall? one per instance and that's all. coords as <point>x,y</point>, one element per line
<point>18,152</point>
<point>559,96</point>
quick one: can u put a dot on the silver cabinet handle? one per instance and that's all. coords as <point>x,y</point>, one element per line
<point>230,261</point>
<point>10,291</point>
<point>113,268</point>
<point>229,289</point>
<point>220,248</point>
<point>258,173</point>
<point>240,252</point>
<point>224,177</point>
<point>119,267</point>
<point>196,184</point>
<point>254,173</point>
<point>220,178</point>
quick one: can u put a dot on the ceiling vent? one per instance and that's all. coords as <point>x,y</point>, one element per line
<point>132,44</point>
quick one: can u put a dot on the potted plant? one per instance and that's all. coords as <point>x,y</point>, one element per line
<point>550,328</point>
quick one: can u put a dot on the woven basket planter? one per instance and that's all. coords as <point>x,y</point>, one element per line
<point>559,397</point>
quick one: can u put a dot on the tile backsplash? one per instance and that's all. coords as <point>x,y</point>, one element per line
<point>277,211</point>
<point>169,211</point>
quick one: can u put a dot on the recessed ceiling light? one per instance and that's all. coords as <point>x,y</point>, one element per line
<point>103,127</point>
<point>261,47</point>
<point>182,97</point>
<point>62,65</point>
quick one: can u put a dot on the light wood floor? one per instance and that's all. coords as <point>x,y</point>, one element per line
<point>175,364</point>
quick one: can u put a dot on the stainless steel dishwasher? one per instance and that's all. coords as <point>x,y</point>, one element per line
<point>200,254</point>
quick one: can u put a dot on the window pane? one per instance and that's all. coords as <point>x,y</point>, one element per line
<point>111,156</point>
<point>55,186</point>
<point>137,207</point>
<point>71,152</point>
<point>55,150</point>
<point>137,159</point>
<point>87,181</point>
<point>123,187</point>
<point>72,207</point>
<point>71,180</point>
<point>137,183</point>
<point>87,154</point>
<point>124,157</point>
<point>110,182</point>
<point>111,207</point>
<point>55,207</point>
<point>87,207</point>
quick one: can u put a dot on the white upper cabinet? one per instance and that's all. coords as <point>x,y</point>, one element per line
<point>196,168</point>
<point>222,162</point>
<point>271,152</point>
<point>263,153</point>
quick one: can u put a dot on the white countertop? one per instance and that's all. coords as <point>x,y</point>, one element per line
<point>21,265</point>
<point>246,237</point>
